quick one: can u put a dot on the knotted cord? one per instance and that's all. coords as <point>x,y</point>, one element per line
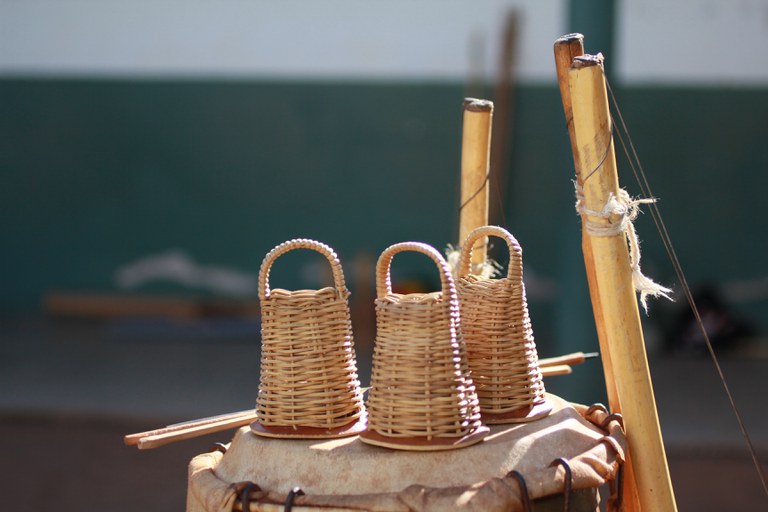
<point>620,212</point>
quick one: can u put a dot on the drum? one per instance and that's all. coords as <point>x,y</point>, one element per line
<point>565,456</point>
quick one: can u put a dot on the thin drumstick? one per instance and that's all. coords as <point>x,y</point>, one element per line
<point>132,439</point>
<point>192,431</point>
<point>570,359</point>
<point>560,369</point>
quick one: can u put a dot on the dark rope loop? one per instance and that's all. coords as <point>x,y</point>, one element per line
<point>596,407</point>
<point>568,487</point>
<point>296,491</point>
<point>611,417</point>
<point>523,489</point>
<point>245,495</point>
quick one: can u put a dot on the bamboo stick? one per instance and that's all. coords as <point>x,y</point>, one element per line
<point>558,369</point>
<point>504,106</point>
<point>567,48</point>
<point>215,423</point>
<point>612,290</point>
<point>568,359</point>
<point>475,156</point>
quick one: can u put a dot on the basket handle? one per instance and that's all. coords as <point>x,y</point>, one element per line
<point>384,281</point>
<point>515,267</point>
<point>301,243</point>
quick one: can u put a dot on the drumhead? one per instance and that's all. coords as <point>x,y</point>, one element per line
<point>345,472</point>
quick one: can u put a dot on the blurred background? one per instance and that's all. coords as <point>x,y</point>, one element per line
<point>153,152</point>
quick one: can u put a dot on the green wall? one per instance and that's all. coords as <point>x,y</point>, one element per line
<point>98,173</point>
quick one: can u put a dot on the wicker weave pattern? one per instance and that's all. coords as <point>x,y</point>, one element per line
<point>497,331</point>
<point>308,368</point>
<point>420,385</point>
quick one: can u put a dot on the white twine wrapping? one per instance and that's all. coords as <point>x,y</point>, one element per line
<point>620,212</point>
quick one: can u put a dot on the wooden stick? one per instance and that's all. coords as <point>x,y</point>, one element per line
<point>475,155</point>
<point>153,441</point>
<point>568,359</point>
<point>132,439</point>
<point>568,48</point>
<point>611,288</point>
<point>558,369</point>
<point>504,107</point>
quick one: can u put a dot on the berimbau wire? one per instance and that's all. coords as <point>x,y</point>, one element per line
<point>642,181</point>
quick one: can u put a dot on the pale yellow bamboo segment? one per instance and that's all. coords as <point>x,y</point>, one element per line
<point>567,48</point>
<point>616,305</point>
<point>554,370</point>
<point>475,157</point>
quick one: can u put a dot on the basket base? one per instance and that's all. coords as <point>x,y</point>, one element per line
<point>301,432</point>
<point>422,443</point>
<point>534,412</point>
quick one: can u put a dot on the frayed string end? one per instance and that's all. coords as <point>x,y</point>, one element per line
<point>488,269</point>
<point>620,211</point>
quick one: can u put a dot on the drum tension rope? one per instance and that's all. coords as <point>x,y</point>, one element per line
<point>296,491</point>
<point>568,488</point>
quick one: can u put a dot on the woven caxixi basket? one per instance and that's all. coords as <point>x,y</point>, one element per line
<point>309,386</point>
<point>497,331</point>
<point>422,396</point>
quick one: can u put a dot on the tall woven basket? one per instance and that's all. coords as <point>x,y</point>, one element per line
<point>309,386</point>
<point>497,331</point>
<point>422,396</point>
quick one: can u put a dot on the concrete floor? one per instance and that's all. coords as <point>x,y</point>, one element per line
<point>70,391</point>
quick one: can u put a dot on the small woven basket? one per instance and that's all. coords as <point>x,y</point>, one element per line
<point>498,335</point>
<point>422,396</point>
<point>309,386</point>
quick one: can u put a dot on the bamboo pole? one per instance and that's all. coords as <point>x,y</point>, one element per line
<point>504,105</point>
<point>567,48</point>
<point>475,156</point>
<point>610,281</point>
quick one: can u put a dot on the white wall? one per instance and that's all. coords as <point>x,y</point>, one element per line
<point>658,41</point>
<point>693,41</point>
<point>425,39</point>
